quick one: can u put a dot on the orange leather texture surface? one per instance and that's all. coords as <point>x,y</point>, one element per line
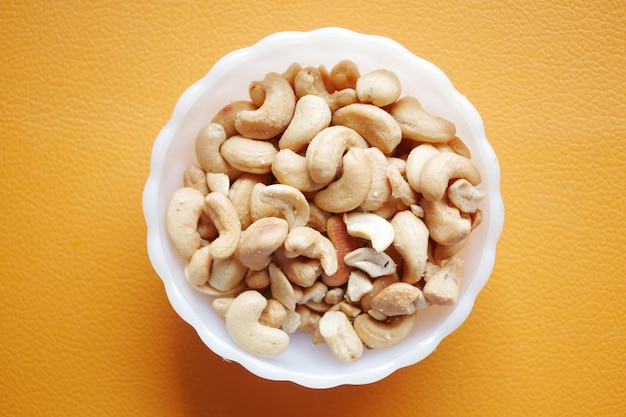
<point>85,326</point>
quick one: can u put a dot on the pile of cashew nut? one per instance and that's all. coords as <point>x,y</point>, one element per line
<point>325,203</point>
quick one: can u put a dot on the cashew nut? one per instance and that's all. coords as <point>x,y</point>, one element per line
<point>305,241</point>
<point>249,155</point>
<point>369,260</point>
<point>349,191</point>
<point>445,223</point>
<point>371,227</point>
<point>340,336</point>
<point>289,200</point>
<point>397,299</point>
<point>377,286</point>
<point>282,290</point>
<point>197,270</point>
<point>226,115</point>
<point>411,241</point>
<point>309,81</point>
<point>260,209</point>
<point>309,319</point>
<point>465,196</point>
<point>273,314</point>
<point>242,323</point>
<point>377,126</point>
<point>400,188</point>
<point>444,286</point>
<point>257,280</point>
<point>380,189</point>
<point>291,168</point>
<point>226,273</point>
<point>221,305</point>
<point>324,153</point>
<point>273,116</point>
<point>380,87</point>
<point>440,169</point>
<point>221,211</point>
<point>218,182</point>
<point>379,335</point>
<point>240,194</point>
<point>415,163</point>
<point>311,115</point>
<point>195,177</point>
<point>344,74</point>
<point>344,243</point>
<point>417,124</point>
<point>183,213</point>
<point>359,284</point>
<point>259,241</point>
<point>207,146</point>
<point>301,270</point>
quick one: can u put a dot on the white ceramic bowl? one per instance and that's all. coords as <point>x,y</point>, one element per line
<point>228,80</point>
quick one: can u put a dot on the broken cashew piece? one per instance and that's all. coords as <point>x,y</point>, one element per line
<point>370,226</point>
<point>222,213</point>
<point>289,200</point>
<point>440,169</point>
<point>309,81</point>
<point>465,196</point>
<point>242,323</point>
<point>444,286</point>
<point>417,124</point>
<point>183,213</point>
<point>308,242</point>
<point>372,262</point>
<point>340,336</point>
<point>273,116</point>
<point>344,74</point>
<point>195,177</point>
<point>311,115</point>
<point>383,334</point>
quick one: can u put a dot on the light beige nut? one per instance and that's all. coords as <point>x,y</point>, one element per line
<point>377,315</point>
<point>282,290</point>
<point>325,75</point>
<point>242,323</point>
<point>290,73</point>
<point>334,295</point>
<point>377,126</point>
<point>311,115</point>
<point>291,322</point>
<point>207,147</point>
<point>415,163</point>
<point>377,285</point>
<point>417,124</point>
<point>380,189</point>
<point>397,299</point>
<point>370,226</point>
<point>344,74</point>
<point>183,213</point>
<point>444,286</point>
<point>218,182</point>
<point>339,335</point>
<point>291,168</point>
<point>318,306</point>
<point>249,155</point>
<point>458,146</point>
<point>359,284</point>
<point>308,242</point>
<point>273,116</point>
<point>260,240</point>
<point>289,200</point>
<point>379,335</point>
<point>195,177</point>
<point>324,153</point>
<point>318,218</point>
<point>260,209</point>
<point>372,262</point>
<point>257,280</point>
<point>344,243</point>
<point>226,274</point>
<point>301,271</point>
<point>411,242</point>
<point>400,188</point>
<point>465,196</point>
<point>221,305</point>
<point>309,319</point>
<point>315,292</point>
<point>198,267</point>
<point>310,81</point>
<point>240,195</point>
<point>350,189</point>
<point>222,213</point>
<point>273,314</point>
<point>226,116</point>
<point>445,223</point>
<point>380,87</point>
<point>256,92</point>
<point>443,167</point>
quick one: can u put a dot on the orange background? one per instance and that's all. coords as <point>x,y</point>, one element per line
<point>85,326</point>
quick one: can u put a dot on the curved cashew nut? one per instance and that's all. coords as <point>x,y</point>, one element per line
<point>183,213</point>
<point>207,146</point>
<point>349,191</point>
<point>218,182</point>
<point>195,177</point>
<point>379,335</point>
<point>380,87</point>
<point>370,226</point>
<point>445,223</point>
<point>291,168</point>
<point>411,242</point>
<point>400,188</point>
<point>301,270</point>
<point>308,242</point>
<point>415,163</point>
<point>311,115</point>
<point>440,169</point>
<point>359,284</point>
<point>240,194</point>
<point>444,286</point>
<point>259,241</point>
<point>344,74</point>
<point>224,216</point>
<point>249,155</point>
<point>260,209</point>
<point>324,153</point>
<point>310,81</point>
<point>397,299</point>
<point>226,115</point>
<point>369,260</point>
<point>273,116</point>
<point>380,189</point>
<point>197,270</point>
<point>340,336</point>
<point>227,274</point>
<point>242,323</point>
<point>377,126</point>
<point>465,196</point>
<point>417,124</point>
<point>291,202</point>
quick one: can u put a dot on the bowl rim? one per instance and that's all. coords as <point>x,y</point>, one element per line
<point>494,223</point>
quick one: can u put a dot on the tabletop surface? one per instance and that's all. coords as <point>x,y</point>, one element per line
<point>86,328</point>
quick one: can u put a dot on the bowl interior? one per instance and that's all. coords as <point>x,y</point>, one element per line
<point>228,80</point>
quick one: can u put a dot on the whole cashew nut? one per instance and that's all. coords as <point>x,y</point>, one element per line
<point>195,177</point>
<point>289,200</point>
<point>465,196</point>
<point>227,114</point>
<point>207,146</point>
<point>259,241</point>
<point>415,163</point>
<point>291,168</point>
<point>380,189</point>
<point>417,124</point>
<point>183,213</point>
<point>370,226</point>
<point>221,211</point>
<point>227,274</point>
<point>197,270</point>
<point>397,299</point>
<point>379,335</point>
<point>440,169</point>
<point>411,241</point>
<point>242,323</point>
<point>344,74</point>
<point>309,81</point>
<point>306,241</point>
<point>377,126</point>
<point>340,336</point>
<point>445,222</point>
<point>380,87</point>
<point>249,155</point>
<point>273,116</point>
<point>311,115</point>
<point>369,260</point>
